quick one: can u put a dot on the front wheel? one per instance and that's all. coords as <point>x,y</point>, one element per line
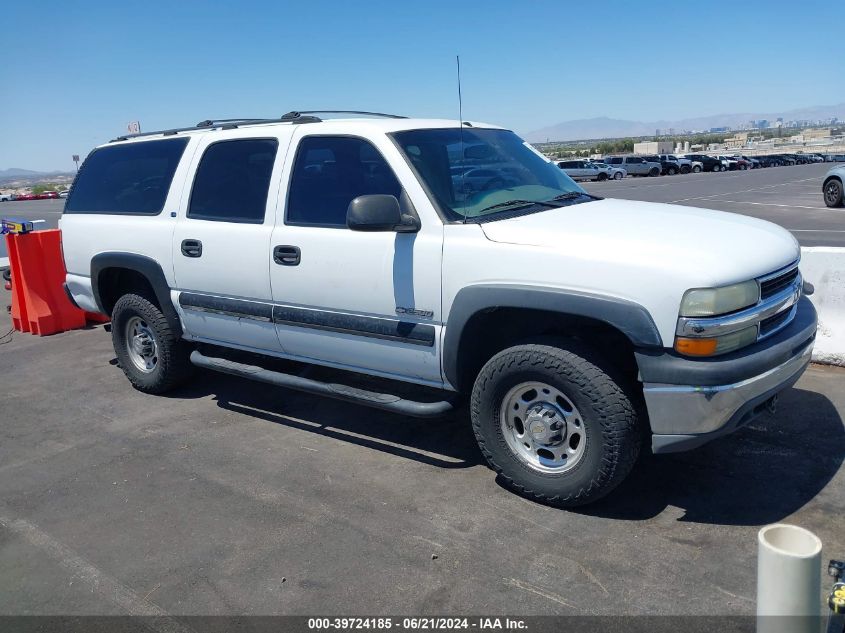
<point>696,169</point>
<point>654,172</point>
<point>554,424</point>
<point>833,193</point>
<point>601,177</point>
<point>617,175</point>
<point>149,352</point>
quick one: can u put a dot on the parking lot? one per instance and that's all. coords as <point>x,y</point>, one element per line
<point>232,497</point>
<point>788,196</point>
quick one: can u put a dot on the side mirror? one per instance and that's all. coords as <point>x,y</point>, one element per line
<point>379,212</point>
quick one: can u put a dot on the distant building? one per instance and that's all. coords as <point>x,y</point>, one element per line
<point>817,133</point>
<point>718,130</point>
<point>653,147</point>
<point>740,139</point>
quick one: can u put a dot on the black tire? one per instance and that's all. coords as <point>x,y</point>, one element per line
<point>602,177</point>
<point>696,169</point>
<point>618,175</point>
<point>654,172</point>
<point>672,171</point>
<point>610,425</point>
<point>833,193</point>
<point>685,169</point>
<point>172,365</point>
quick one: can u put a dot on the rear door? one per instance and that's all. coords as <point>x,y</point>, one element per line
<point>221,242</point>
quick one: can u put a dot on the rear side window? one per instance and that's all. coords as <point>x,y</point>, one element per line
<point>329,172</point>
<point>232,181</point>
<point>130,179</point>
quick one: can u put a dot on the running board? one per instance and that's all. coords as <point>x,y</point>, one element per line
<point>384,401</point>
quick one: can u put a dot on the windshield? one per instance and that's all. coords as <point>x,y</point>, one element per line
<point>476,173</point>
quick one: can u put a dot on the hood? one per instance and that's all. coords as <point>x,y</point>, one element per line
<point>708,247</point>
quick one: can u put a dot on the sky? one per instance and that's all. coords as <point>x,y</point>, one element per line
<point>75,73</point>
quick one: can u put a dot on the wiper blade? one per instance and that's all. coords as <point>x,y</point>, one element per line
<point>517,204</point>
<point>572,195</point>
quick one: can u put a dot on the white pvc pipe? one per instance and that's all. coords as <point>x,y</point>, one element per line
<point>788,580</point>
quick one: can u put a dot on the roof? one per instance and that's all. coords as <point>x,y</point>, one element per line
<point>372,121</point>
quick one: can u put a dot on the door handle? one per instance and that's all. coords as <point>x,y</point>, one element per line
<point>191,248</point>
<point>287,255</point>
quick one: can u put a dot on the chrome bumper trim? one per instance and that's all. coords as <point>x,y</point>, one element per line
<point>691,410</point>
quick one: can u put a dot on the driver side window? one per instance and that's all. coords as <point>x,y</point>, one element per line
<point>331,171</point>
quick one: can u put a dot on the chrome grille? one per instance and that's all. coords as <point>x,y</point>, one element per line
<point>772,285</point>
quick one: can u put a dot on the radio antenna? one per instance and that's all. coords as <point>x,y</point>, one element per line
<point>461,127</point>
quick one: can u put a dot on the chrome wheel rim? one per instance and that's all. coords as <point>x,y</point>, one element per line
<point>141,344</point>
<point>543,427</point>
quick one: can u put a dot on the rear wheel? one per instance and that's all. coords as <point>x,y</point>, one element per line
<point>685,169</point>
<point>672,171</point>
<point>833,193</point>
<point>696,169</point>
<point>554,424</point>
<point>149,352</point>
<point>654,172</point>
<point>602,177</point>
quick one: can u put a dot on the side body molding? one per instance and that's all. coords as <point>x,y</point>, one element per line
<point>628,317</point>
<point>147,267</point>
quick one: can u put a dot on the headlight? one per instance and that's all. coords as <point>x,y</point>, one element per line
<point>716,345</point>
<point>705,302</point>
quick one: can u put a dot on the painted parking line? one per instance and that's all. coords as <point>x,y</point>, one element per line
<point>771,204</point>
<point>100,582</point>
<point>731,193</point>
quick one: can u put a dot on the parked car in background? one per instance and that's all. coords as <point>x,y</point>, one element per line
<point>768,161</point>
<point>581,170</point>
<point>708,163</point>
<point>684,164</point>
<point>5,197</point>
<point>728,162</point>
<point>751,163</point>
<point>481,179</point>
<point>26,196</point>
<point>667,167</point>
<point>635,165</point>
<point>47,195</point>
<point>64,194</point>
<point>613,172</point>
<point>832,187</point>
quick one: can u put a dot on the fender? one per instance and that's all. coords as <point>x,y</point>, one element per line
<point>147,267</point>
<point>630,318</point>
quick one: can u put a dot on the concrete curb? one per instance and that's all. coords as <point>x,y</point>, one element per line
<point>824,267</point>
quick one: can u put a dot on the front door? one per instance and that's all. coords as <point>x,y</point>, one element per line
<point>367,301</point>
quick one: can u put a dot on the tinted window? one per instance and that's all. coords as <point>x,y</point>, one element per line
<point>329,172</point>
<point>132,178</point>
<point>614,161</point>
<point>232,181</point>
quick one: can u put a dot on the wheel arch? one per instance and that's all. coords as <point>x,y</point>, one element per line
<point>487,318</point>
<point>113,272</point>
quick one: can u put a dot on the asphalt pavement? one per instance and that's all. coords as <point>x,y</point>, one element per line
<point>788,196</point>
<point>233,497</point>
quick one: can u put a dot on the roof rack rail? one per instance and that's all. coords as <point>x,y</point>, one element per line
<point>294,115</point>
<point>305,116</point>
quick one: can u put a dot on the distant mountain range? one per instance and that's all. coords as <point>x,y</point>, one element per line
<point>14,174</point>
<point>604,127</point>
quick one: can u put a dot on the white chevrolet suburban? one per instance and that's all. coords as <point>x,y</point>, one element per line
<point>578,327</point>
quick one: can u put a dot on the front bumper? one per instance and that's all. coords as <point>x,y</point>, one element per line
<point>692,401</point>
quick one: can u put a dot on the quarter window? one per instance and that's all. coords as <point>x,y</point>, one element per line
<point>232,181</point>
<point>129,179</point>
<point>331,171</point>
